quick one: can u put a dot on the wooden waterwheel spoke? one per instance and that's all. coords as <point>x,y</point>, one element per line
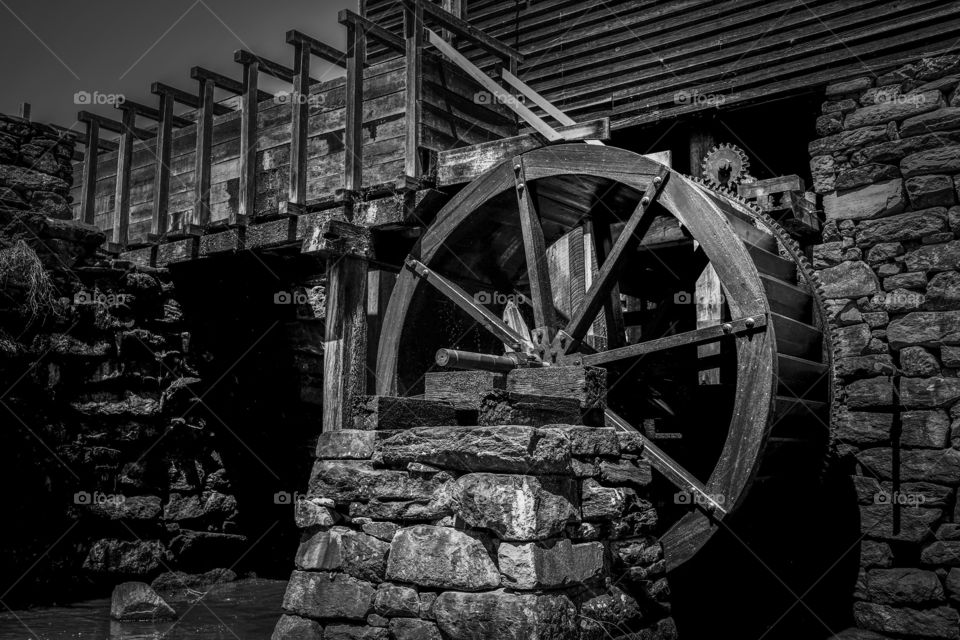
<point>696,337</point>
<point>535,250</point>
<point>465,301</point>
<point>602,244</point>
<point>628,240</point>
<point>669,467</point>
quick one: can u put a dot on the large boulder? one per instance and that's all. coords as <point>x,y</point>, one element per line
<point>903,586</point>
<point>515,507</point>
<point>853,279</point>
<point>137,601</point>
<point>297,628</point>
<point>549,565</point>
<point>441,557</point>
<point>505,616</point>
<point>938,622</point>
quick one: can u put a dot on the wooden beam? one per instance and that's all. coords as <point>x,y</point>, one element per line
<point>551,109</point>
<point>300,113</point>
<point>154,114</point>
<point>161,184</point>
<point>495,89</point>
<point>344,354</point>
<point>248,142</point>
<point>121,210</point>
<point>633,231</point>
<point>186,98</point>
<point>707,293</point>
<point>413,35</point>
<point>203,159</point>
<point>23,110</point>
<point>696,337</point>
<point>372,30</point>
<point>316,47</point>
<point>379,287</point>
<point>88,189</point>
<point>114,125</point>
<point>535,251</point>
<point>223,82</point>
<point>268,67</point>
<point>602,237</point>
<point>466,30</point>
<point>353,130</point>
<point>464,164</point>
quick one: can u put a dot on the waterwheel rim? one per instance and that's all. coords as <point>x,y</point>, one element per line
<point>698,211</point>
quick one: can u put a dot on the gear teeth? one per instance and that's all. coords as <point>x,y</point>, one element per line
<point>811,278</point>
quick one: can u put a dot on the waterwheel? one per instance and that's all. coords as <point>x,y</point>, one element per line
<point>651,233</point>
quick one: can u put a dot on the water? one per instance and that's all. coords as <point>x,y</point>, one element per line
<point>241,610</point>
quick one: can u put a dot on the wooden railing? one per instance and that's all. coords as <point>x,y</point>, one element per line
<point>160,137</point>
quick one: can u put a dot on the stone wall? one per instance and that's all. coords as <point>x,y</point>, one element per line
<point>469,532</point>
<point>107,459</point>
<point>888,168</point>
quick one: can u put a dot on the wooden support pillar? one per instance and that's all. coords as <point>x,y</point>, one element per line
<point>248,142</point>
<point>161,183</point>
<point>379,287</point>
<point>300,108</point>
<point>602,239</point>
<point>345,345</point>
<point>707,295</point>
<point>413,29</point>
<point>203,160</point>
<point>353,132</point>
<point>121,209</point>
<point>89,187</point>
<point>24,111</point>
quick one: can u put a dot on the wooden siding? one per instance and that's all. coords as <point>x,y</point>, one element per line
<point>640,61</point>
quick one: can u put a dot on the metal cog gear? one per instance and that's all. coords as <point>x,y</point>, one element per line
<point>726,165</point>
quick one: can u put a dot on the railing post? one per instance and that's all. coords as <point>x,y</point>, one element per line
<point>353,131</point>
<point>413,33</point>
<point>202,162</point>
<point>248,141</point>
<point>121,210</point>
<point>161,183</point>
<point>88,191</point>
<point>300,113</point>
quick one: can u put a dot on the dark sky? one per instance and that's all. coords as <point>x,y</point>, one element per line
<point>50,49</point>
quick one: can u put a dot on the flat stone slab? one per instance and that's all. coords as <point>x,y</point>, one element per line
<point>508,448</point>
<point>549,565</point>
<point>505,616</point>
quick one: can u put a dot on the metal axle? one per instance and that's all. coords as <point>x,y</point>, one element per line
<point>469,360</point>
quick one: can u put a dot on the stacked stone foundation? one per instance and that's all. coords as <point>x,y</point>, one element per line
<point>478,532</point>
<point>888,169</point>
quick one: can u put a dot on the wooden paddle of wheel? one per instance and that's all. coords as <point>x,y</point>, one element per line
<point>493,236</point>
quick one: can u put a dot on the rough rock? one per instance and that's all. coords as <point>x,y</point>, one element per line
<point>411,629</point>
<point>894,110</point>
<point>328,595</point>
<point>870,393</point>
<point>905,226</point>
<point>548,565</point>
<point>939,120</point>
<point>354,632</point>
<point>505,616</point>
<point>178,580</point>
<point>599,502</point>
<point>866,174</point>
<point>506,449</point>
<point>876,521</point>
<point>441,557</point>
<point>917,361</point>
<point>903,586</point>
<point>297,628</point>
<point>396,601</point>
<point>341,549</point>
<point>937,160</point>
<point>938,622</point>
<point>853,279</point>
<point>929,393</point>
<point>126,557</point>
<point>929,429</point>
<point>344,481</point>
<point>927,328</point>
<point>137,601</point>
<point>922,465</point>
<point>930,191</point>
<point>516,508</point>
<point>943,292</point>
<point>864,427</point>
<point>346,444</point>
<point>875,554</point>
<point>866,202</point>
<point>934,257</point>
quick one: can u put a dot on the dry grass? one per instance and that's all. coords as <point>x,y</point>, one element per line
<point>21,268</point>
